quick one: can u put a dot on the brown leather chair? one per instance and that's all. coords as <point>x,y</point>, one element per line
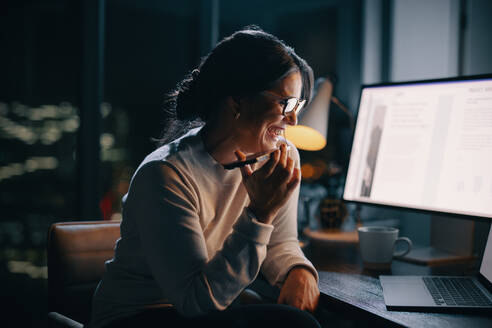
<point>76,255</point>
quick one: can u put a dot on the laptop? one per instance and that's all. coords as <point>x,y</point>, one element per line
<point>436,293</point>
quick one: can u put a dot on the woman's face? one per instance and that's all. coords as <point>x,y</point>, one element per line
<point>261,122</point>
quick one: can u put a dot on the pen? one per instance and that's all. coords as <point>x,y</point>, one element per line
<point>257,158</point>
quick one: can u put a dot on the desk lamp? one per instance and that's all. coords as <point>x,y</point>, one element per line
<point>310,133</point>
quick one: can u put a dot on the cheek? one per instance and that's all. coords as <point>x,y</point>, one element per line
<point>261,124</point>
<point>261,115</point>
<point>262,118</point>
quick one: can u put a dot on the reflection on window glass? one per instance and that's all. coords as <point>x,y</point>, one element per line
<point>115,160</point>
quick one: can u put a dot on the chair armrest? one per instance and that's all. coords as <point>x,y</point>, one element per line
<point>57,320</point>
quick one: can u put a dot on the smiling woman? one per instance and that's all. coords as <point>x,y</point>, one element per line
<point>263,117</point>
<point>194,235</point>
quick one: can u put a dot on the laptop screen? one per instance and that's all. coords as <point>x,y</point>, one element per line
<point>486,266</point>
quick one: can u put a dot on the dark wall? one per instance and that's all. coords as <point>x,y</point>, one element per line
<point>148,49</point>
<point>41,47</point>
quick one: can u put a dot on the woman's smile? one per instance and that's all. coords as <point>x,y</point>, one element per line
<point>266,123</point>
<point>274,132</point>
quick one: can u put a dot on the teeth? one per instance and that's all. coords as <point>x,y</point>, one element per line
<point>276,131</point>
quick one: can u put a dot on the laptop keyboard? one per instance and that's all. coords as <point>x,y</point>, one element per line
<point>455,291</point>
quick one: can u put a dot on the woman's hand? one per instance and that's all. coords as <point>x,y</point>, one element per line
<point>270,186</point>
<point>300,290</point>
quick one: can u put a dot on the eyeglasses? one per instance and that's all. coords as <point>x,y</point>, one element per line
<point>290,105</point>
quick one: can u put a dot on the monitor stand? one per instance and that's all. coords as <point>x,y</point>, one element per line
<point>451,241</point>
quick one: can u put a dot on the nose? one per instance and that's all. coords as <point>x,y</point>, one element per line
<point>291,118</point>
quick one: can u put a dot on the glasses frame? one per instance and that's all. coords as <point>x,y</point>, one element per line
<point>284,102</point>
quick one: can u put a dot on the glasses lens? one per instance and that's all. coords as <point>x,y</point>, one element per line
<point>290,105</point>
<point>300,106</point>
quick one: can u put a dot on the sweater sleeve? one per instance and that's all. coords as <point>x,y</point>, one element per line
<point>284,251</point>
<point>175,250</point>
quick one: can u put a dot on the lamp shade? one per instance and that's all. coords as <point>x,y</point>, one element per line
<point>310,133</point>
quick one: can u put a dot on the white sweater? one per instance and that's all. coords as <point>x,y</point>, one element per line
<point>187,240</point>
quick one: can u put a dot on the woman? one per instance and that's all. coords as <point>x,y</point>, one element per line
<point>195,235</point>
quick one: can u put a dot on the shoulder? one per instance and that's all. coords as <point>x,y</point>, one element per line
<point>172,157</point>
<point>160,175</point>
<point>159,181</point>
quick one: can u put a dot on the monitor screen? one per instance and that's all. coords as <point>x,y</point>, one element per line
<point>424,145</point>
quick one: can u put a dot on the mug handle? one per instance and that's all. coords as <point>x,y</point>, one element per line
<point>405,252</point>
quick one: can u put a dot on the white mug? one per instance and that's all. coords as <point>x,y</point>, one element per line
<point>377,246</point>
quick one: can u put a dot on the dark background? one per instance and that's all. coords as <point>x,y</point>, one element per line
<point>51,138</point>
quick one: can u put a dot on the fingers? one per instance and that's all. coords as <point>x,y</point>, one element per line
<point>290,165</point>
<point>246,170</point>
<point>300,303</point>
<point>270,166</point>
<point>240,155</point>
<point>283,155</point>
<point>271,186</point>
<point>282,174</point>
<point>294,180</point>
<point>277,158</point>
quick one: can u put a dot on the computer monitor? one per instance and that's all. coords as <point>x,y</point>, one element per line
<point>424,145</point>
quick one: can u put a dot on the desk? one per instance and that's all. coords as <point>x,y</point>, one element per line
<point>349,289</point>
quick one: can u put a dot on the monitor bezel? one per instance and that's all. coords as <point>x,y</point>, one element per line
<point>406,208</point>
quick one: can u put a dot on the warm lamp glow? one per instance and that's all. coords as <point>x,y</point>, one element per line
<point>310,134</point>
<point>305,138</point>
<point>307,171</point>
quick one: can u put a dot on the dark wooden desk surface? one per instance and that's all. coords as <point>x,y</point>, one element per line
<point>350,289</point>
